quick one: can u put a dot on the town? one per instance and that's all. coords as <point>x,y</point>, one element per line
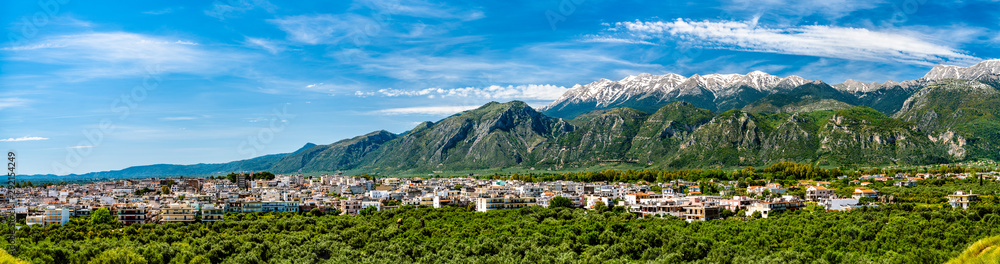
<point>186,200</point>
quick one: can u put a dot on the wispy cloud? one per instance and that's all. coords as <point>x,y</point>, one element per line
<point>114,54</point>
<point>178,118</point>
<point>792,10</point>
<point>229,9</point>
<point>426,110</point>
<point>607,39</point>
<point>12,102</point>
<point>324,28</point>
<point>271,46</point>
<point>163,11</point>
<point>422,9</point>
<point>510,92</point>
<point>79,147</point>
<point>818,41</point>
<point>23,139</point>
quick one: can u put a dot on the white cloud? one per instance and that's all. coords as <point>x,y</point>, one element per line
<point>510,92</point>
<point>114,54</point>
<point>270,46</point>
<point>325,28</point>
<point>792,11</point>
<point>162,11</point>
<point>222,10</point>
<point>426,110</point>
<point>606,39</point>
<point>819,41</point>
<point>422,9</point>
<point>23,139</point>
<point>12,102</point>
<point>79,147</point>
<point>178,118</point>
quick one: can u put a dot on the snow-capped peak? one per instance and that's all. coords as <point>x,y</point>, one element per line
<point>984,68</point>
<point>606,92</point>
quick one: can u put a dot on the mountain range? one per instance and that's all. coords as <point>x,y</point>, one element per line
<point>671,121</point>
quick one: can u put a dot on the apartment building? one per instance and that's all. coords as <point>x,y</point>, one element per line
<point>350,207</point>
<point>701,213</point>
<point>184,213</point>
<point>961,199</point>
<point>767,208</point>
<point>130,214</point>
<point>497,203</point>
<point>212,213</point>
<point>815,193</point>
<point>279,206</point>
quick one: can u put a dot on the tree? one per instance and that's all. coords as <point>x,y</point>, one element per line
<point>165,189</point>
<point>560,201</point>
<point>368,210</point>
<point>101,216</point>
<point>755,215</point>
<point>600,207</point>
<point>200,259</point>
<point>119,255</point>
<point>316,212</point>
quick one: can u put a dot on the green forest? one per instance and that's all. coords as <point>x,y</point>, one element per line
<point>885,234</point>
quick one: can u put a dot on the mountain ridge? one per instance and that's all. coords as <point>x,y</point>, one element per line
<point>721,92</point>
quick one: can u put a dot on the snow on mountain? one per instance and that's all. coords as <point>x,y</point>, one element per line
<point>606,92</point>
<point>980,70</point>
<point>726,91</point>
<point>974,72</point>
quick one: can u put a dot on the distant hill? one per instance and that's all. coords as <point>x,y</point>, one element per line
<point>165,170</point>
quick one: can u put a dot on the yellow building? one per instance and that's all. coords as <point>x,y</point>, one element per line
<point>177,213</point>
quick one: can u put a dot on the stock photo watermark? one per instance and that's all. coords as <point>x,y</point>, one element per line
<point>276,122</point>
<point>565,9</point>
<point>904,9</point>
<point>30,25</point>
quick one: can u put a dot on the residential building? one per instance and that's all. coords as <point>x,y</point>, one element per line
<point>212,213</point>
<point>961,199</point>
<point>701,213</point>
<point>279,206</point>
<point>814,193</point>
<point>177,213</point>
<point>130,214</point>
<point>497,203</point>
<point>864,193</point>
<point>56,215</point>
<point>350,207</point>
<point>736,203</point>
<point>768,208</point>
<point>35,220</point>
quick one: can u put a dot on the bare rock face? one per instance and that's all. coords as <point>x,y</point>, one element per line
<point>952,141</point>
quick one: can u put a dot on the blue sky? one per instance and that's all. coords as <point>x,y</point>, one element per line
<point>101,85</point>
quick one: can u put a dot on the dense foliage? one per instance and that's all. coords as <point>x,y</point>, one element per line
<point>779,171</point>
<point>888,234</point>
<point>250,176</point>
